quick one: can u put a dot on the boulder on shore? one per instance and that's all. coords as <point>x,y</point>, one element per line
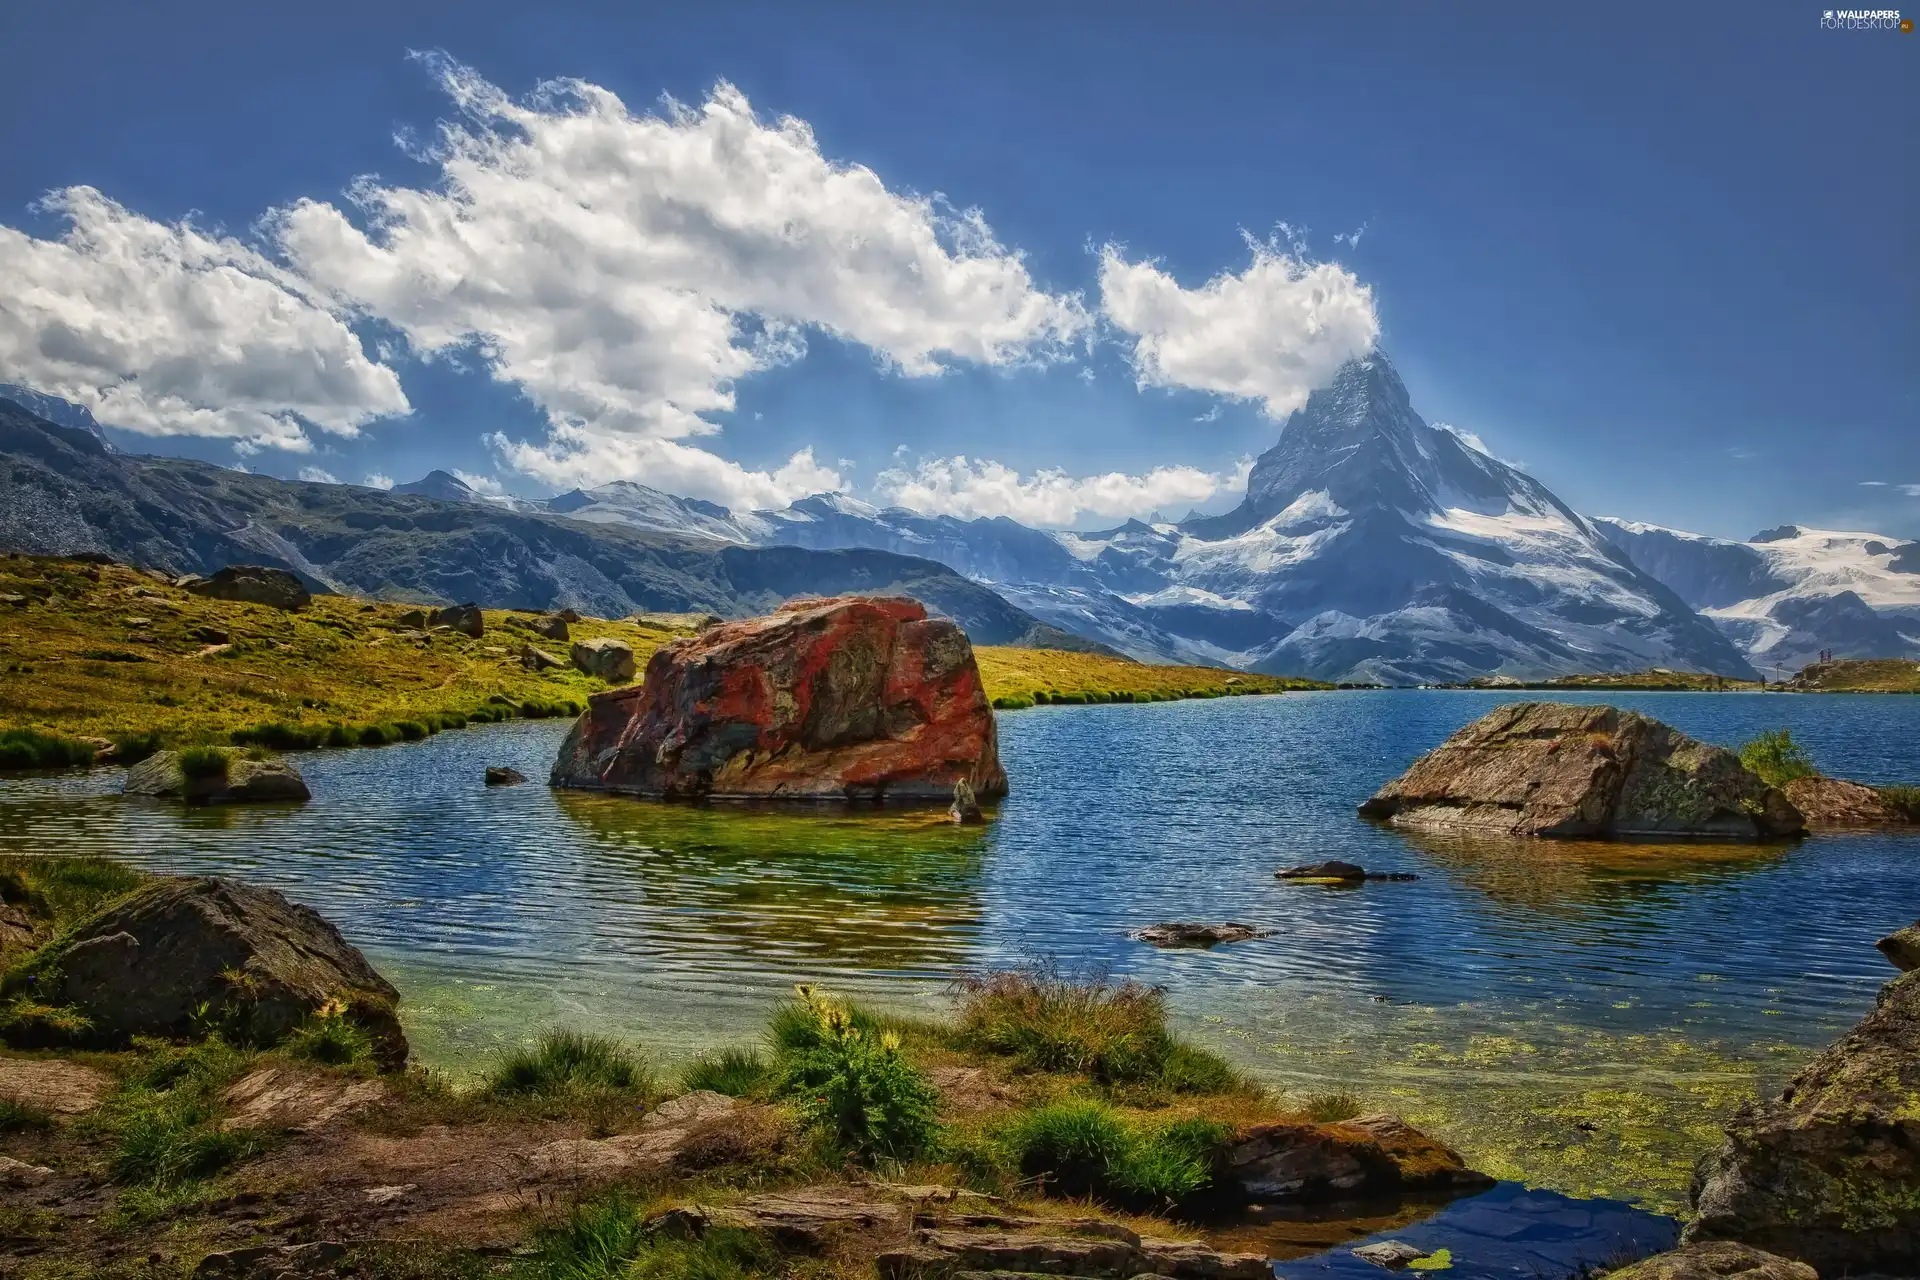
<point>252,584</point>
<point>1582,772</point>
<point>186,954</point>
<point>464,618</point>
<point>851,698</point>
<point>611,660</point>
<point>244,781</point>
<point>1376,1154</point>
<point>1829,1171</point>
<point>1715,1260</point>
<point>1835,804</point>
<point>1902,948</point>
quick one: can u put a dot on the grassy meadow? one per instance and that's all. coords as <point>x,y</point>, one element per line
<point>1018,678</point>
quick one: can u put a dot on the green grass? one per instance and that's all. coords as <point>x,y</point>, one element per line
<point>328,1038</point>
<point>162,1123</point>
<point>68,889</point>
<point>205,762</point>
<point>1326,1108</point>
<point>1085,1147</point>
<point>738,1073</point>
<point>20,1117</point>
<point>603,1239</point>
<point>1904,800</point>
<point>1019,678</point>
<point>31,749</point>
<point>1115,1033</point>
<point>1777,758</point>
<point>562,1061</point>
<point>322,677</point>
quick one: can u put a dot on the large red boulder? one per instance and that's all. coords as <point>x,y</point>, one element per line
<point>850,698</point>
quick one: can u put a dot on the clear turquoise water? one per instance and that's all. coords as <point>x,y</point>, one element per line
<point>1580,1017</point>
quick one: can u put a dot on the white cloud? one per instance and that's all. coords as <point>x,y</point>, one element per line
<point>487,485</point>
<point>167,330</point>
<point>1471,439</point>
<point>1911,490</point>
<point>1873,484</point>
<point>315,475</point>
<point>961,486</point>
<point>667,465</point>
<point>378,480</point>
<point>624,270</point>
<point>1272,333</point>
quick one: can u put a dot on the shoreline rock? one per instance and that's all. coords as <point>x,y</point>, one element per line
<point>1828,1172</point>
<point>1568,771</point>
<point>1833,804</point>
<point>1902,948</point>
<point>245,781</point>
<point>185,953</point>
<point>1372,1155</point>
<point>500,775</point>
<point>849,699</point>
<point>1716,1260</point>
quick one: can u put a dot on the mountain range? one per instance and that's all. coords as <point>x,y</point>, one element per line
<point>1370,547</point>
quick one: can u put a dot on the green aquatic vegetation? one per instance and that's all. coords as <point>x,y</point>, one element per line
<point>1438,1260</point>
<point>846,1076</point>
<point>1777,758</point>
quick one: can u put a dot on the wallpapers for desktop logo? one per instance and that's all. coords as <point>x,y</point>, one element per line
<point>1864,20</point>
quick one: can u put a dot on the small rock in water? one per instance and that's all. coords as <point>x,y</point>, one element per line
<point>1389,1253</point>
<point>965,808</point>
<point>500,775</point>
<point>1189,934</point>
<point>1902,948</point>
<point>1333,869</point>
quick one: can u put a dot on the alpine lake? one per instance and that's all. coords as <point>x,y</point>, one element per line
<point>1578,1019</point>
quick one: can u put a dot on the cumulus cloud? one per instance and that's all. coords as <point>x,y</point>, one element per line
<point>487,485</point>
<point>316,475</point>
<point>624,270</point>
<point>668,465</point>
<point>167,330</point>
<point>962,486</point>
<point>1271,334</point>
<point>378,480</point>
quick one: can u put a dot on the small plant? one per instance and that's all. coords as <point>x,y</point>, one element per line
<point>328,1037</point>
<point>1903,800</point>
<point>1777,758</point>
<point>204,762</point>
<point>847,1077</point>
<point>163,1119</point>
<point>570,1061</point>
<point>132,748</point>
<point>17,1117</point>
<point>738,1073</point>
<point>1327,1108</point>
<point>26,1023</point>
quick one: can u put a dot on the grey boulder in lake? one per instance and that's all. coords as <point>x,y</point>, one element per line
<point>1829,1171</point>
<point>243,781</point>
<point>184,954</point>
<point>1582,772</point>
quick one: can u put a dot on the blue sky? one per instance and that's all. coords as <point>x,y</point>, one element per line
<point>1662,256</point>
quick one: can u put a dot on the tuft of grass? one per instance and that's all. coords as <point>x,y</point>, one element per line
<point>19,1117</point>
<point>326,1036</point>
<point>846,1077</point>
<point>1777,758</point>
<point>1115,1033</point>
<point>1329,1107</point>
<point>561,1061</point>
<point>71,888</point>
<point>1083,1147</point>
<point>604,1239</point>
<point>738,1073</point>
<point>132,748</point>
<point>31,749</point>
<point>205,762</point>
<point>163,1120</point>
<point>1903,800</point>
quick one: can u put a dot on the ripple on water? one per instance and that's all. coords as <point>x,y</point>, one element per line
<point>1577,1016</point>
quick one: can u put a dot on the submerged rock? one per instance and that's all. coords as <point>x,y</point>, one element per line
<point>1834,804</point>
<point>252,584</point>
<point>1829,1171</point>
<point>1571,771</point>
<point>244,781</point>
<point>183,955</point>
<point>1902,947</point>
<point>852,698</point>
<point>1189,934</point>
<point>501,775</point>
<point>965,808</point>
<point>1715,1260</point>
<point>1392,1254</point>
<point>1372,1155</point>
<point>611,660</point>
<point>1334,870</point>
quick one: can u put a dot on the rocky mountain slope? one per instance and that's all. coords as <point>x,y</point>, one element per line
<point>1370,547</point>
<point>1787,593</point>
<point>62,492</point>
